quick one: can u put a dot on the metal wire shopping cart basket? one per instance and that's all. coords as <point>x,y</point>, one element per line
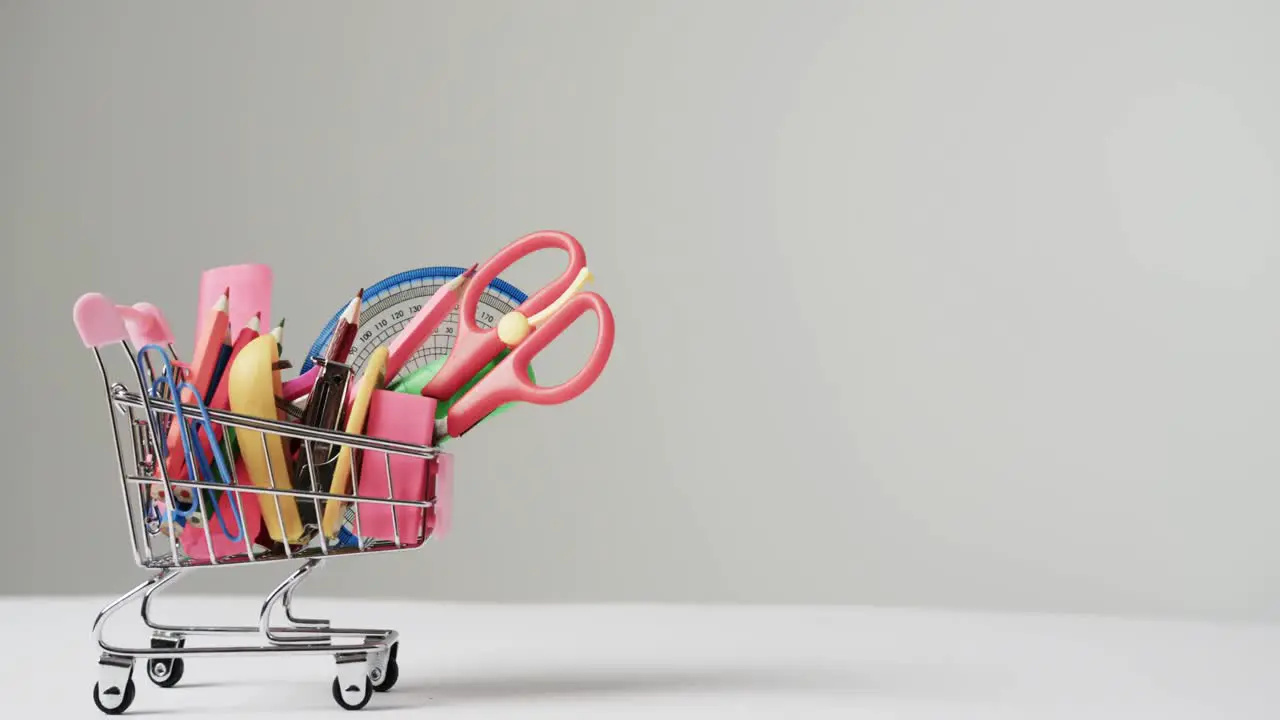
<point>365,658</point>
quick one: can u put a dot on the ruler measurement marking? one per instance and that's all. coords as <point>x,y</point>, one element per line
<point>387,312</point>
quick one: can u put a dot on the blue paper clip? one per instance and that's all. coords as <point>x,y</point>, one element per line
<point>191,448</point>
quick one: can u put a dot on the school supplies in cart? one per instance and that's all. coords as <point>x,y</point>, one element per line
<point>223,461</point>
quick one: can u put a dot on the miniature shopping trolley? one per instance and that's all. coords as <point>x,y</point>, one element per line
<point>224,520</point>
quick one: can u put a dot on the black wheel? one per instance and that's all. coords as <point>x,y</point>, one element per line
<point>165,672</point>
<point>364,699</point>
<point>111,707</point>
<point>391,674</point>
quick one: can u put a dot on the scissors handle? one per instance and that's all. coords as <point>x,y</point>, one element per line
<point>474,346</point>
<point>509,381</point>
<point>513,253</point>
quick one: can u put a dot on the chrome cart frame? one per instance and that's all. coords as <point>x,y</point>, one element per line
<point>366,659</point>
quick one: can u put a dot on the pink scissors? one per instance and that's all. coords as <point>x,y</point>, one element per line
<point>509,380</point>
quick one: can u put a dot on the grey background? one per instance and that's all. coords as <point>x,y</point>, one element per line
<point>922,303</point>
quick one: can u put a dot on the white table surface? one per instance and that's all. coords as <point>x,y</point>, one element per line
<point>493,661</point>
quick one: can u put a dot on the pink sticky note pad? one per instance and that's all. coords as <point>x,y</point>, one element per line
<point>407,418</point>
<point>250,294</point>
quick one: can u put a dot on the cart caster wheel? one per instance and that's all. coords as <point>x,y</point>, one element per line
<point>390,675</point>
<point>165,672</point>
<point>352,697</point>
<point>113,700</point>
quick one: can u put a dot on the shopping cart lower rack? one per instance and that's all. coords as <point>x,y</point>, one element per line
<point>366,659</point>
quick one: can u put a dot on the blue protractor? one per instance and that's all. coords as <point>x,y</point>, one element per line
<point>391,303</point>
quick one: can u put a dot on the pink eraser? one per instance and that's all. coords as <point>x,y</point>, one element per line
<point>440,517</point>
<point>407,418</point>
<point>250,294</point>
<point>98,321</point>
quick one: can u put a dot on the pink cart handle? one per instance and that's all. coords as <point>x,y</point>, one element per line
<point>146,325</point>
<point>101,322</point>
<point>98,321</point>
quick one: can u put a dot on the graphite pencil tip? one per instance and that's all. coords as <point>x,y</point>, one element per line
<point>461,281</point>
<point>352,310</point>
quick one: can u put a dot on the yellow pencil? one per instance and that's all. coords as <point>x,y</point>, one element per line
<point>371,379</point>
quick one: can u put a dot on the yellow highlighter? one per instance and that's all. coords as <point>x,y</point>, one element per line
<point>372,379</point>
<point>254,386</point>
